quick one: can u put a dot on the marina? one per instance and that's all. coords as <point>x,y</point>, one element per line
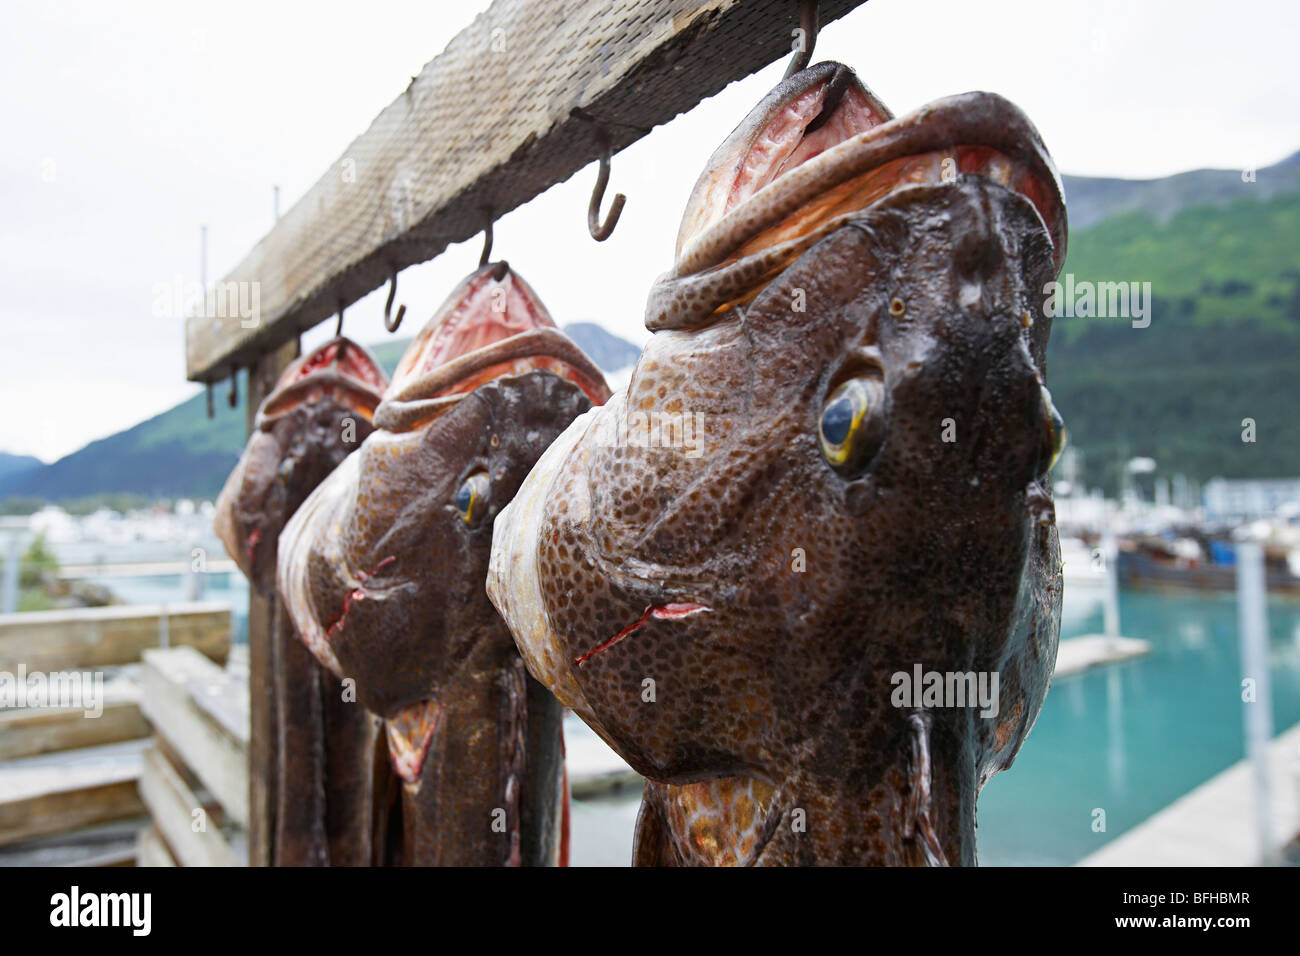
<point>760,536</point>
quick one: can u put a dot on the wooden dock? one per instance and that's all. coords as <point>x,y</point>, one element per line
<point>1078,654</point>
<point>96,637</point>
<point>78,786</point>
<point>1214,825</point>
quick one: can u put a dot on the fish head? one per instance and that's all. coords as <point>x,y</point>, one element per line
<point>831,460</point>
<point>383,568</point>
<point>319,411</point>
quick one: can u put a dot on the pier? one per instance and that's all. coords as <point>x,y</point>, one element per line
<point>1214,825</point>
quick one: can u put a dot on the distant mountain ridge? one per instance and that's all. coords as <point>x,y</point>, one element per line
<point>1089,200</point>
<point>15,464</point>
<point>180,453</point>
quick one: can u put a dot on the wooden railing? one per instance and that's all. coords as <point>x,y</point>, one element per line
<point>71,777</point>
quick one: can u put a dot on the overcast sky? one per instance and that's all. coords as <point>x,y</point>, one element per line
<point>125,126</point>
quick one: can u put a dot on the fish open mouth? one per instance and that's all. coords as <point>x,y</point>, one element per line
<point>341,369</point>
<point>491,326</point>
<point>812,156</point>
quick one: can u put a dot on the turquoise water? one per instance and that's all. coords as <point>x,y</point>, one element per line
<point>1132,738</point>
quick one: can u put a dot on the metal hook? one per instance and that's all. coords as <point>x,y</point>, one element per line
<point>602,231</point>
<point>487,244</point>
<point>809,21</point>
<point>233,397</point>
<point>338,334</point>
<point>390,323</point>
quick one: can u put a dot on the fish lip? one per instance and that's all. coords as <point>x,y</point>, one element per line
<point>421,399</point>
<point>440,367</point>
<point>976,119</point>
<point>449,333</point>
<point>737,147</point>
<point>296,386</point>
<point>729,260</point>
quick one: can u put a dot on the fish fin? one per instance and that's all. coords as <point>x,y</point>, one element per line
<point>410,734</point>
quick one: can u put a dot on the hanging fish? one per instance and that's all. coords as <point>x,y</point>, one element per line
<point>318,413</point>
<point>829,472</point>
<point>382,570</point>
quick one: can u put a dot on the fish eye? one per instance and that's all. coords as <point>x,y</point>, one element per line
<point>1055,434</point>
<point>847,428</point>
<point>472,497</point>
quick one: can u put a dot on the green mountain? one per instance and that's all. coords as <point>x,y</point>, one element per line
<point>1221,347</point>
<point>176,454</point>
<point>1092,199</point>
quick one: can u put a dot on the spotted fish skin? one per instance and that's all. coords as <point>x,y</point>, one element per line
<point>765,720</point>
<point>382,570</point>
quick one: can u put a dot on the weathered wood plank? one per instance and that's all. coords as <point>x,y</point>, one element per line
<point>55,793</point>
<point>502,114</point>
<point>27,731</point>
<point>151,849</point>
<point>106,844</point>
<point>217,757</point>
<point>172,805</point>
<point>107,636</point>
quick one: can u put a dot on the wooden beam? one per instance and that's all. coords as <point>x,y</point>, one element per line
<point>27,731</point>
<point>263,751</point>
<point>106,636</point>
<point>521,99</point>
<point>105,844</point>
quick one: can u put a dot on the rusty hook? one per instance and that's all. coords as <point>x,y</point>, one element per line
<point>602,231</point>
<point>338,334</point>
<point>390,323</point>
<point>487,243</point>
<point>809,22</point>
